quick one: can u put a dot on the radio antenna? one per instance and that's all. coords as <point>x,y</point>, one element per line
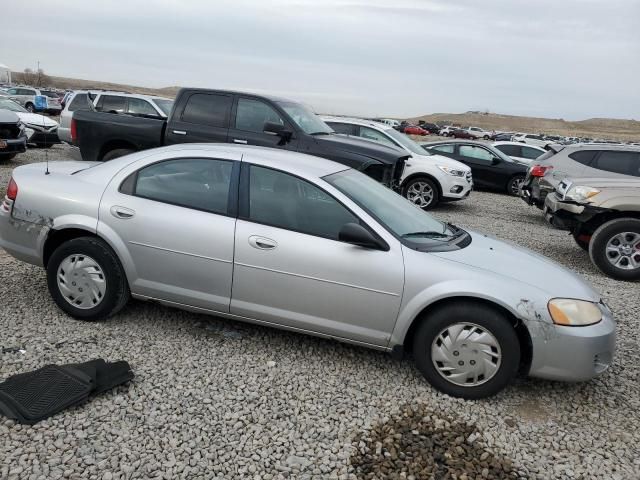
<point>46,149</point>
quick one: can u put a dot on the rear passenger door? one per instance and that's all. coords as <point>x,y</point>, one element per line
<point>247,128</point>
<point>202,117</point>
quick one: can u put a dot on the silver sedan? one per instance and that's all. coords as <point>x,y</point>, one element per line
<point>305,244</point>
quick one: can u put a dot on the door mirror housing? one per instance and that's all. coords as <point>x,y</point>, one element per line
<point>356,234</point>
<point>495,161</point>
<point>273,128</point>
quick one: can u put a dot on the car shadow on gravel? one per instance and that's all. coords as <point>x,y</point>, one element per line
<point>418,442</point>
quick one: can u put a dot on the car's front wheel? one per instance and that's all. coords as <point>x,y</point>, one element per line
<point>467,349</point>
<point>86,280</point>
<point>615,248</point>
<point>422,191</point>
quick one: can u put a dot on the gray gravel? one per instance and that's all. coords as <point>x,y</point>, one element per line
<point>219,399</point>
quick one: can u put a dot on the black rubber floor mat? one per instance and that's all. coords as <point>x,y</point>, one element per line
<point>31,397</point>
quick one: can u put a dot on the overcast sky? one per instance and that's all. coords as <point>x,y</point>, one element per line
<point>571,59</point>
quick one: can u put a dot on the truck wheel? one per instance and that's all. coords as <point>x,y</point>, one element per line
<point>86,280</point>
<point>581,239</point>
<point>615,248</point>
<point>421,191</point>
<point>513,187</point>
<point>467,349</point>
<point>118,152</point>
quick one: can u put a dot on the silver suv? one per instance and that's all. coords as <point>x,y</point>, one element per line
<point>575,161</point>
<point>26,96</point>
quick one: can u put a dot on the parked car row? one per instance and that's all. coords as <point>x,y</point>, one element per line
<point>593,191</point>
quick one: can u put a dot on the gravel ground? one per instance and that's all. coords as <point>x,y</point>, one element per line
<point>219,399</point>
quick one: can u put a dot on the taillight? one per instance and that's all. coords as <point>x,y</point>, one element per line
<point>74,131</point>
<point>540,170</point>
<point>12,190</point>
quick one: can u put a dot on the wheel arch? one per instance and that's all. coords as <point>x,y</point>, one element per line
<point>522,332</point>
<point>426,175</point>
<point>115,145</point>
<point>591,225</point>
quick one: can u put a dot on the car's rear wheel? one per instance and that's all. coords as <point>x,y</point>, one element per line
<point>86,280</point>
<point>514,185</point>
<point>30,107</point>
<point>117,153</point>
<point>422,192</point>
<point>615,248</point>
<point>467,350</point>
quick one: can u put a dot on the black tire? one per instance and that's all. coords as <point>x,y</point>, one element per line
<point>513,185</point>
<point>116,292</point>
<point>486,137</point>
<point>30,107</point>
<point>488,319</point>
<point>118,152</point>
<point>414,182</point>
<point>598,248</point>
<point>7,157</point>
<point>581,239</point>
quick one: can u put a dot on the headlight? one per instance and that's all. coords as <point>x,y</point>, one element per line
<point>574,313</point>
<point>452,171</point>
<point>580,193</point>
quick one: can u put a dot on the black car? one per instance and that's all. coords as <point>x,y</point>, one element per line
<point>432,128</point>
<point>13,139</point>
<point>489,166</point>
<point>218,116</point>
<point>502,136</point>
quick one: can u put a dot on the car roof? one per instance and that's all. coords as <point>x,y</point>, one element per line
<point>357,121</point>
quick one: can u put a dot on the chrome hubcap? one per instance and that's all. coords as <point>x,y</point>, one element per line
<point>623,250</point>
<point>466,354</point>
<point>81,281</point>
<point>516,184</point>
<point>420,193</point>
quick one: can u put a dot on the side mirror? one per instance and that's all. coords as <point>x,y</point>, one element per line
<point>495,161</point>
<point>274,128</point>
<point>356,234</point>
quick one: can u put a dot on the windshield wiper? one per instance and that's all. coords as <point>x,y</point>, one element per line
<point>430,234</point>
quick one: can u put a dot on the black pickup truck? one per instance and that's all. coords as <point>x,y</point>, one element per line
<point>212,116</point>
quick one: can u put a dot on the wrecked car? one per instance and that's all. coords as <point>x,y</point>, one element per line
<point>311,246</point>
<point>13,137</point>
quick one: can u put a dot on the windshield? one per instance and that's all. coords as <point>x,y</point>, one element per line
<point>6,104</point>
<point>406,142</point>
<point>308,121</point>
<point>164,105</point>
<point>398,215</point>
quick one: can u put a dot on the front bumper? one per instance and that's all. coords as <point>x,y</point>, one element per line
<point>17,145</point>
<point>455,188</point>
<point>572,354</point>
<point>568,215</point>
<point>41,138</point>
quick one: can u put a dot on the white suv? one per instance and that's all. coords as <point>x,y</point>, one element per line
<point>531,139</point>
<point>427,179</point>
<point>478,132</point>
<point>26,96</point>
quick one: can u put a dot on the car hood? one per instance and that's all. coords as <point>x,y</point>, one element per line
<point>36,119</point>
<point>521,265</point>
<point>375,151</point>
<point>7,116</point>
<point>441,160</point>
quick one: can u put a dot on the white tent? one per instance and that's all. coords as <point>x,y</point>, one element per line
<point>5,74</point>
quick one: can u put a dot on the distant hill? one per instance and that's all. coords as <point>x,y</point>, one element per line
<point>605,128</point>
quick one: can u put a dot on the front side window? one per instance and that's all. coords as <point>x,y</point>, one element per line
<point>138,106</point>
<point>111,103</point>
<point>208,109</point>
<point>625,163</point>
<point>531,153</point>
<point>376,136</point>
<point>251,115</point>
<point>284,201</point>
<point>201,184</point>
<point>476,153</point>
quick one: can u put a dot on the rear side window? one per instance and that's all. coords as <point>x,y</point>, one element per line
<point>511,150</point>
<point>207,109</point>
<point>343,128</point>
<point>79,102</point>
<point>251,115</point>
<point>583,156</point>
<point>201,184</point>
<point>477,153</point>
<point>111,104</point>
<point>530,153</point>
<point>284,201</point>
<point>625,163</point>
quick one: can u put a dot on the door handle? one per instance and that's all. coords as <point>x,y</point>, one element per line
<point>237,140</point>
<point>262,243</point>
<point>122,212</point>
<point>179,132</point>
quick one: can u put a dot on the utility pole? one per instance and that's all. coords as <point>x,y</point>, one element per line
<point>38,71</point>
